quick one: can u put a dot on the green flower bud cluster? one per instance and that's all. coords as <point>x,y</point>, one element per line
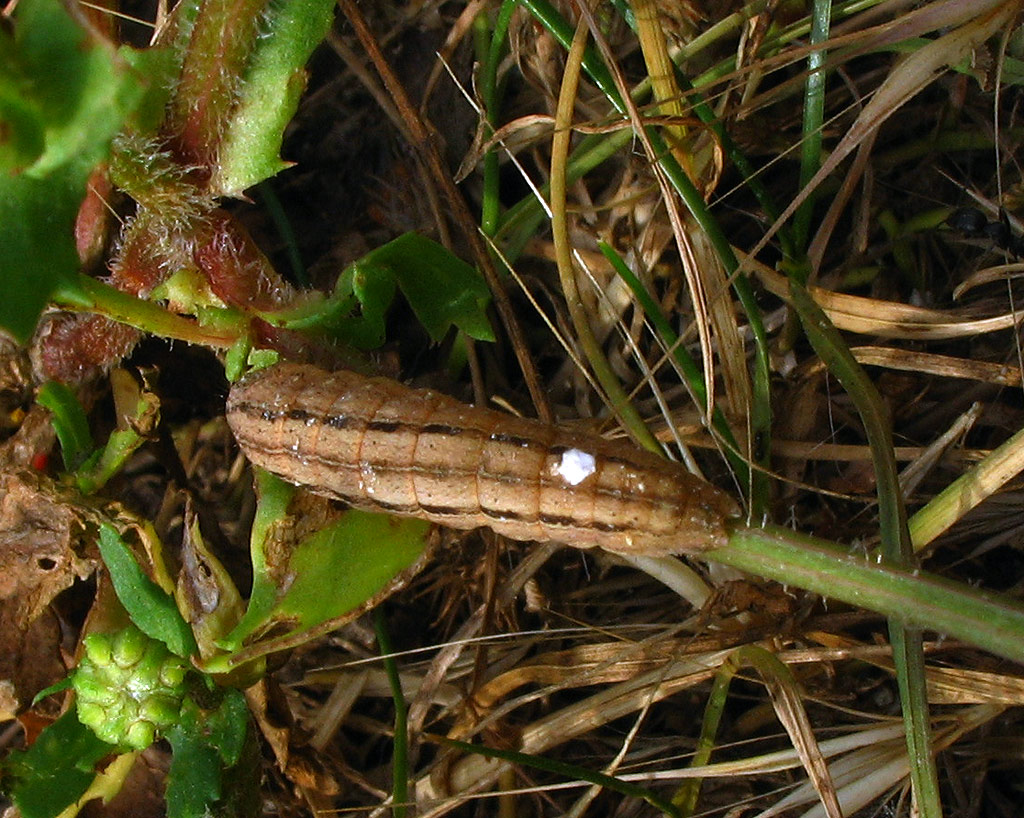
<point>129,687</point>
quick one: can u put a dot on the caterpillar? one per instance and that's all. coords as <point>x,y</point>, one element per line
<point>382,446</point>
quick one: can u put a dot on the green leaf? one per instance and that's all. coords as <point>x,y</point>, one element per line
<point>23,139</point>
<point>64,93</point>
<point>56,770</point>
<point>322,580</point>
<point>207,743</point>
<point>69,422</point>
<point>269,94</point>
<point>37,249</point>
<point>149,607</point>
<point>344,565</point>
<point>375,288</point>
<point>274,496</point>
<point>441,289</point>
<point>194,778</point>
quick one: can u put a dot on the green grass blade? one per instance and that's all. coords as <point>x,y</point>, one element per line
<point>814,117</point>
<point>400,754</point>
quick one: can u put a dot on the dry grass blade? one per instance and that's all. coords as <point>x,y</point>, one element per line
<point>889,319</point>
<point>944,366</point>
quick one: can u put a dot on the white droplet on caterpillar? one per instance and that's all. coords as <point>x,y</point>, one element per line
<point>575,466</point>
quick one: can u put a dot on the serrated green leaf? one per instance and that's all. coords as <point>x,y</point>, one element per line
<point>56,770</point>
<point>269,94</point>
<point>441,289</point>
<point>149,607</point>
<point>74,91</point>
<point>69,422</point>
<point>194,778</point>
<point>225,728</point>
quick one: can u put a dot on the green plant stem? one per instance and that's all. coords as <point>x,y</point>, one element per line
<point>90,295</point>
<point>281,222</point>
<point>761,408</point>
<point>490,94</point>
<point>690,371</point>
<point>964,493</point>
<point>909,595</point>
<point>522,221</point>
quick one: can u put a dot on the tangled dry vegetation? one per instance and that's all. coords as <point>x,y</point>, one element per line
<point>719,691</point>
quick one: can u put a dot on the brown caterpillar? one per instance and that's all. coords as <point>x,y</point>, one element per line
<point>382,446</point>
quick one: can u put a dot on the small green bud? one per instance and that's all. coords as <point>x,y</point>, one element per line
<point>95,690</point>
<point>97,648</point>
<point>129,647</point>
<point>140,735</point>
<point>160,710</point>
<point>172,674</point>
<point>90,714</point>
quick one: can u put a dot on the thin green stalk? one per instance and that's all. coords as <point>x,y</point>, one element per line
<point>490,94</point>
<point>784,692</point>
<point>691,372</point>
<point>908,658</point>
<point>896,546</point>
<point>685,798</point>
<point>814,117</point>
<point>400,756</point>
<point>522,221</point>
<point>284,229</point>
<point>548,16</point>
<point>953,502</point>
<point>761,409</point>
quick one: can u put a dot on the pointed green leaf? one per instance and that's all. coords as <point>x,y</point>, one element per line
<point>269,94</point>
<point>344,565</point>
<point>149,607</point>
<point>208,744</point>
<point>441,289</point>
